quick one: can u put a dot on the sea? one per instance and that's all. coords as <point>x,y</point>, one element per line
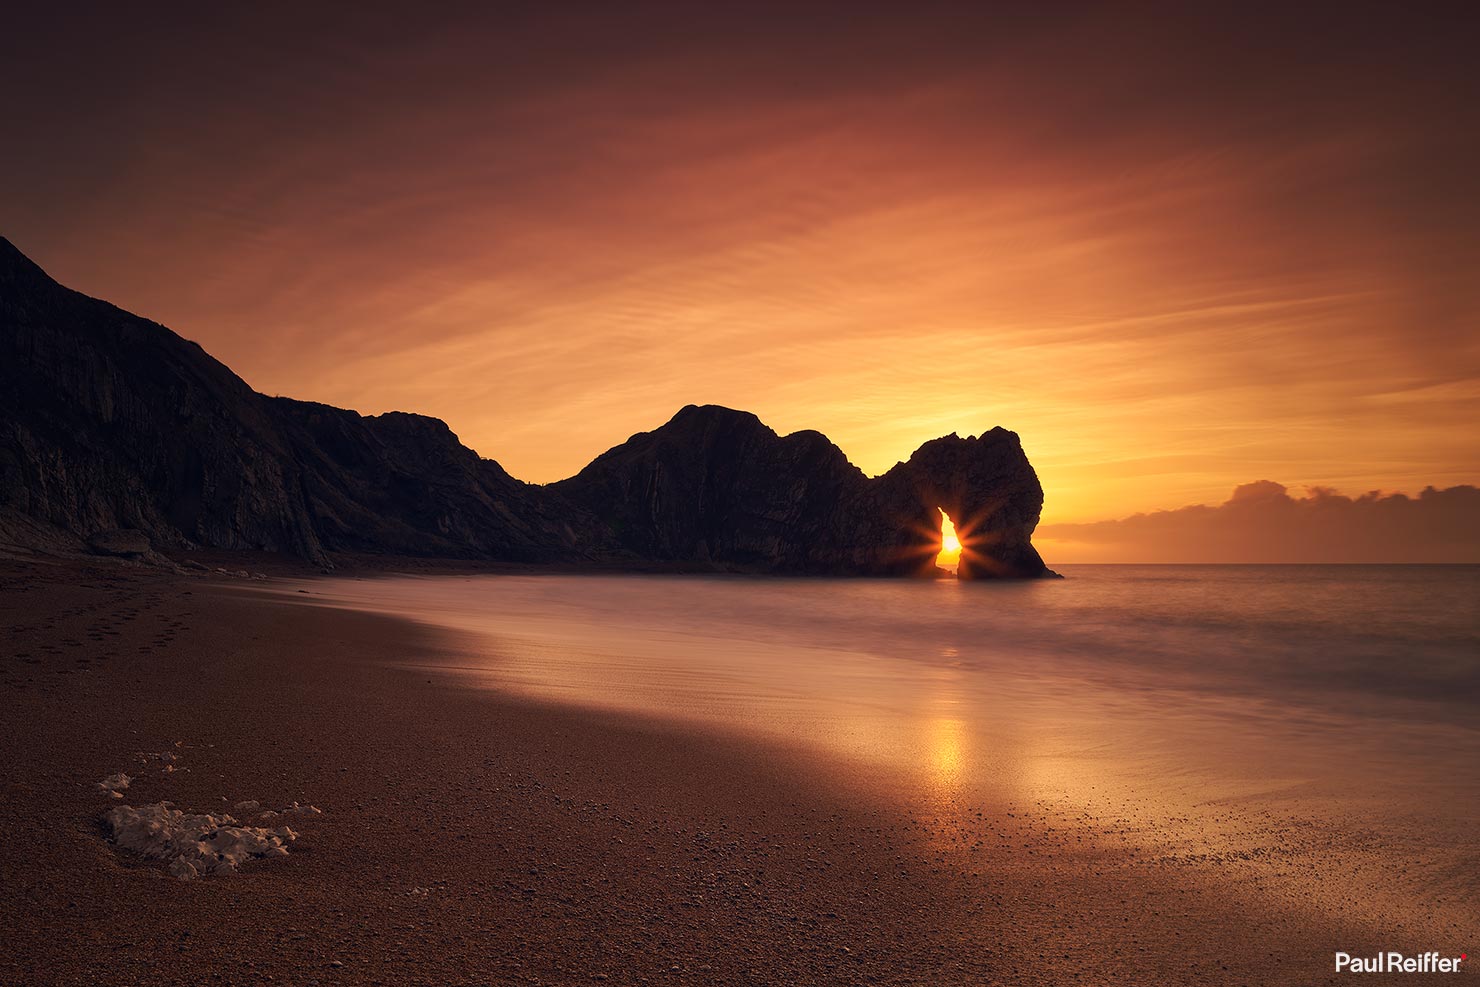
<point>1185,700</point>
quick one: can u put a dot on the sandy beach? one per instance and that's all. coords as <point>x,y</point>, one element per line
<point>470,836</point>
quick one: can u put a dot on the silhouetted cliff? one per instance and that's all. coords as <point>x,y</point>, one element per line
<point>110,421</point>
<point>718,486</point>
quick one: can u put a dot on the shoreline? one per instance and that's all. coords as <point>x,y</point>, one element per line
<point>470,836</point>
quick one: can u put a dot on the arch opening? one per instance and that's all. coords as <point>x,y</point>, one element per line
<point>949,556</point>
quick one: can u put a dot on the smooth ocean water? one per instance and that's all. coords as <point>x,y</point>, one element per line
<point>1233,678</point>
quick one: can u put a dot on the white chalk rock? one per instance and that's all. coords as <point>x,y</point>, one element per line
<point>194,844</point>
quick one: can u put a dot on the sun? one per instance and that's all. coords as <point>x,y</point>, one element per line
<point>948,540</point>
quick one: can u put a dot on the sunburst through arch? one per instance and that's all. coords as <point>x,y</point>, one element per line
<point>949,557</point>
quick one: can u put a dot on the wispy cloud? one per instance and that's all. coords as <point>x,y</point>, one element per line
<point>552,230</point>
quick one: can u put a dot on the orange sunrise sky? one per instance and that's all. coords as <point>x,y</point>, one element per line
<point>1176,251</point>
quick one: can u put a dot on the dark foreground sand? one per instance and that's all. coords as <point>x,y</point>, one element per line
<point>470,838</point>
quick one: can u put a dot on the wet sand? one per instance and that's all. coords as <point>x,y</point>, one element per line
<point>472,837</point>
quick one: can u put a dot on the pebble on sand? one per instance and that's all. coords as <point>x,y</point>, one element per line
<point>115,784</point>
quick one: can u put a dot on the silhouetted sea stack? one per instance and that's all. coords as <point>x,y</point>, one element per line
<point>109,422</point>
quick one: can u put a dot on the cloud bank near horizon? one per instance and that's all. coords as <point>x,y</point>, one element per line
<point>1262,522</point>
